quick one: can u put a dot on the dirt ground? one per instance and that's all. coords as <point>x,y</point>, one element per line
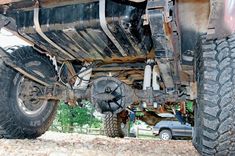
<point>61,144</point>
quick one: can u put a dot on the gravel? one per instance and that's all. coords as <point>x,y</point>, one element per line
<point>62,144</point>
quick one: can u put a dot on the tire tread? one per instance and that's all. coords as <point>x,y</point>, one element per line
<point>215,69</point>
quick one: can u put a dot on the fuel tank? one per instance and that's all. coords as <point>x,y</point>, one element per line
<point>77,29</point>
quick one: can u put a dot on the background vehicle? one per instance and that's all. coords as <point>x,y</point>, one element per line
<point>150,54</point>
<point>170,129</point>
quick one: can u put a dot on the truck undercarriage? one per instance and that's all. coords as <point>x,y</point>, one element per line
<point>155,55</point>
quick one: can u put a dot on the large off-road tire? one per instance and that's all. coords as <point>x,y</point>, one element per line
<point>22,114</point>
<point>114,127</point>
<point>214,132</point>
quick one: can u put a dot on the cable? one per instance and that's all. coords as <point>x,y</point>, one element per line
<point>59,75</point>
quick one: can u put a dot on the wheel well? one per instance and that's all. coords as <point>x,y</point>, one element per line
<point>165,128</point>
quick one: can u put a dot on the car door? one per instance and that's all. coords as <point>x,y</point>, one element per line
<point>177,128</point>
<point>188,129</point>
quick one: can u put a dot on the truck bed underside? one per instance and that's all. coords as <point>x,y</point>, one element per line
<point>76,28</point>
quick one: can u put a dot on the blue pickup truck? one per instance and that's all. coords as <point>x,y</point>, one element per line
<point>170,129</point>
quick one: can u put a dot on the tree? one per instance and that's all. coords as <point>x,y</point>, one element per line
<point>80,115</point>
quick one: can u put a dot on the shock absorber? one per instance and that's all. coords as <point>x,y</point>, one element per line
<point>147,77</point>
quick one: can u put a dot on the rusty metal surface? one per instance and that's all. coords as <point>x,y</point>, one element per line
<point>151,118</point>
<point>158,19</point>
<point>222,18</point>
<point>9,1</point>
<point>127,77</point>
<point>192,16</point>
<point>72,75</point>
<point>114,69</point>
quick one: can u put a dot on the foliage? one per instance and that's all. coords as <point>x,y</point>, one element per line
<point>79,116</point>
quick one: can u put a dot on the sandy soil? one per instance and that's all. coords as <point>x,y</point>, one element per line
<point>61,144</point>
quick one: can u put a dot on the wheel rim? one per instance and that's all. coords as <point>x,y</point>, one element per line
<point>27,97</point>
<point>165,136</point>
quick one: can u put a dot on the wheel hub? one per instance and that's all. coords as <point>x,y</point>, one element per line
<point>165,136</point>
<point>27,97</point>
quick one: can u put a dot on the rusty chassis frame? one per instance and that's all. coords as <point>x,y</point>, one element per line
<point>56,91</point>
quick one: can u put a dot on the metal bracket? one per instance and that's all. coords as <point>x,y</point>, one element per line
<point>103,24</point>
<point>41,33</point>
<point>157,18</point>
